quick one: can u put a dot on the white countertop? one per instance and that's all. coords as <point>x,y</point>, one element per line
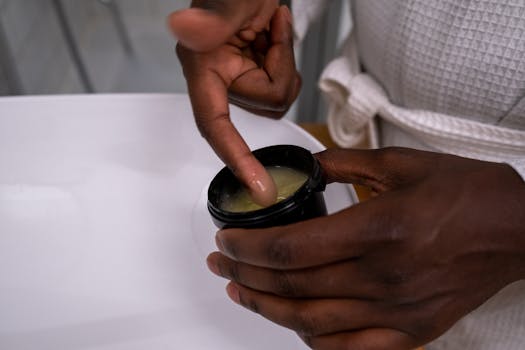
<point>104,229</point>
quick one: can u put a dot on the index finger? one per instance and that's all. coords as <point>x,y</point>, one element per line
<point>342,236</point>
<point>209,99</point>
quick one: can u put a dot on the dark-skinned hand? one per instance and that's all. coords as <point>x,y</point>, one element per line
<point>442,235</point>
<point>242,52</point>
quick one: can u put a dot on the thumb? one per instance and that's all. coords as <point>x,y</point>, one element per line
<point>203,30</point>
<point>380,169</point>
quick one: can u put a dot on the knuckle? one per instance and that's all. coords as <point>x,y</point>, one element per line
<point>246,300</point>
<point>389,158</point>
<point>286,285</point>
<point>404,164</point>
<point>279,252</point>
<point>204,127</point>
<point>233,272</point>
<point>207,123</point>
<point>279,99</point>
<point>305,322</point>
<point>388,155</point>
<point>398,289</point>
<point>252,305</point>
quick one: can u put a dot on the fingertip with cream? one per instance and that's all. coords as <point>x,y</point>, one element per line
<point>263,190</point>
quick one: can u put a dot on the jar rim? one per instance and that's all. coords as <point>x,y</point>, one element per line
<point>291,156</point>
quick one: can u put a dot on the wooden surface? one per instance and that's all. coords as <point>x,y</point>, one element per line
<point>320,132</point>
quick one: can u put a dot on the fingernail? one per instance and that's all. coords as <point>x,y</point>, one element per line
<point>261,194</point>
<point>233,293</point>
<point>213,267</point>
<point>258,185</point>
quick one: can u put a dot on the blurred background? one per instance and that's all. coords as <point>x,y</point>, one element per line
<point>124,46</point>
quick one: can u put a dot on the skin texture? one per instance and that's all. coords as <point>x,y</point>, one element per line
<point>241,52</point>
<point>442,235</point>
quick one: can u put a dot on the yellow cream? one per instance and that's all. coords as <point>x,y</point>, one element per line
<point>287,180</point>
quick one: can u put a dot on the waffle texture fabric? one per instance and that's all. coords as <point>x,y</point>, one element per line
<point>446,76</point>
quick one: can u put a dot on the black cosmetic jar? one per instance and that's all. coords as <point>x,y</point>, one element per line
<point>306,203</point>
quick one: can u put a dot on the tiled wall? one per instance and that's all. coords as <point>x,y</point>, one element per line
<point>44,64</point>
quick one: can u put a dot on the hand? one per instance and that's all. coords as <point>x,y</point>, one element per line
<point>442,236</point>
<point>226,53</point>
<point>209,24</point>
